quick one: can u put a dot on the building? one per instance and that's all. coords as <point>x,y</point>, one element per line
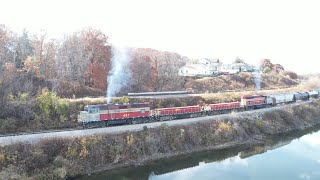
<point>238,67</point>
<point>194,69</point>
<point>213,66</point>
<point>203,67</point>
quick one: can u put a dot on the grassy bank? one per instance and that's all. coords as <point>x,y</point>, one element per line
<point>61,158</point>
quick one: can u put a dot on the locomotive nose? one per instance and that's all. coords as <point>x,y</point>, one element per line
<point>82,117</point>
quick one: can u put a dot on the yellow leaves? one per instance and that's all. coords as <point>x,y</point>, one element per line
<point>2,158</point>
<point>258,149</point>
<point>7,158</point>
<point>224,126</point>
<point>72,151</point>
<point>83,146</point>
<point>32,65</point>
<point>83,152</point>
<point>130,139</point>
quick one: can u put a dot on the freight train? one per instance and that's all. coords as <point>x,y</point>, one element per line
<point>116,114</point>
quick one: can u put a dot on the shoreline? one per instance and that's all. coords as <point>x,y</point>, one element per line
<point>73,157</point>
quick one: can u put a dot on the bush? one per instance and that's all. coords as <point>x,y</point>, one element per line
<point>226,127</point>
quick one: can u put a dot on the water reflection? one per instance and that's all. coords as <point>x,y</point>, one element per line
<point>286,157</point>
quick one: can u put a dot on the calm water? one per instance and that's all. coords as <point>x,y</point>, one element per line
<point>294,156</point>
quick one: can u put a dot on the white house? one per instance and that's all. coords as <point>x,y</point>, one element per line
<point>204,66</point>
<point>194,69</point>
<point>213,64</point>
<point>237,67</point>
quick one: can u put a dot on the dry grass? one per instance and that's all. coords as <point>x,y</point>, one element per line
<point>65,158</point>
<point>239,82</point>
<point>226,127</point>
<point>312,83</point>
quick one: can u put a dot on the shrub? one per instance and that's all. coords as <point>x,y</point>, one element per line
<point>226,127</point>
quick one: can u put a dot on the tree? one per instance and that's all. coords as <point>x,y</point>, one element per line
<point>22,47</point>
<point>84,57</point>
<point>141,68</point>
<point>238,60</point>
<point>71,60</point>
<point>164,69</point>
<point>98,51</point>
<point>5,53</point>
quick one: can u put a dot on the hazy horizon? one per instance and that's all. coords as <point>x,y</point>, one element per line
<point>285,32</point>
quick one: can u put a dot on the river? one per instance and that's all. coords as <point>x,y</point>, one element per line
<point>291,156</point>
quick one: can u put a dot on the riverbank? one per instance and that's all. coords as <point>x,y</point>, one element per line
<point>59,158</point>
<point>229,158</point>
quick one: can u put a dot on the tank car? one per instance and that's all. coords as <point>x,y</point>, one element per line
<point>313,94</point>
<point>301,96</point>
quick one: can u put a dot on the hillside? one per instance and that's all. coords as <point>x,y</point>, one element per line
<point>237,82</point>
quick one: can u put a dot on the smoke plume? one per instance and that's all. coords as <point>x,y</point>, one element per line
<point>257,78</point>
<point>119,75</point>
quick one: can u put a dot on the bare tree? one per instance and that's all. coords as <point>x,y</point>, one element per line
<point>5,53</point>
<point>141,69</point>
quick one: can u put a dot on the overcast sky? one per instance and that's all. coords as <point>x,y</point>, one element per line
<point>285,31</point>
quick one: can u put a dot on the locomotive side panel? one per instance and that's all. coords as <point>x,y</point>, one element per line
<point>254,100</point>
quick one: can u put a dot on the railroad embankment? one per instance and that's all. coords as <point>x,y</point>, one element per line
<point>59,158</point>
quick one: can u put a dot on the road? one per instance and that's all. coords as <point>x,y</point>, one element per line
<point>34,138</point>
<point>264,91</point>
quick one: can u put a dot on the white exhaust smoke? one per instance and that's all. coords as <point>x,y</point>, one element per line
<point>119,75</point>
<point>257,78</point>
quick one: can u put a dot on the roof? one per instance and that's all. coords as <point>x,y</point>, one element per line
<point>194,66</point>
<point>212,60</point>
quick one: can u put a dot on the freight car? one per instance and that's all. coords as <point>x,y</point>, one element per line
<point>162,114</point>
<point>113,114</point>
<point>282,98</point>
<point>302,96</point>
<point>313,94</point>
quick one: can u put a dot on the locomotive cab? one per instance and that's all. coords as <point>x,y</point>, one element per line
<point>90,113</point>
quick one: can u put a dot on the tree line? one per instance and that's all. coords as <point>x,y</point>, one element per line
<point>79,63</point>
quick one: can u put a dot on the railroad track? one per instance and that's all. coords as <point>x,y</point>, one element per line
<point>35,137</point>
<point>124,127</point>
<point>39,132</point>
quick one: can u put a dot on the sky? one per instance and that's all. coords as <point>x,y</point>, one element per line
<point>284,31</point>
